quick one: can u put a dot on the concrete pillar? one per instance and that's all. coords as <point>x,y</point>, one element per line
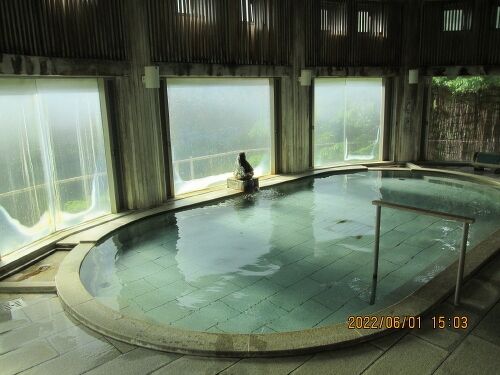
<point>409,99</point>
<point>138,124</point>
<point>295,123</point>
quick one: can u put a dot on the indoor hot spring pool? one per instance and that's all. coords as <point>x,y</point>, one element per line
<point>291,257</point>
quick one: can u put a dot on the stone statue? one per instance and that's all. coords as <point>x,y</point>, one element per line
<point>243,170</point>
<point>243,179</point>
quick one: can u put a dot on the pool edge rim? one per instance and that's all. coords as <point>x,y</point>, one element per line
<point>78,302</point>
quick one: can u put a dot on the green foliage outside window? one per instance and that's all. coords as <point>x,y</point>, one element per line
<point>466,85</point>
<point>347,120</point>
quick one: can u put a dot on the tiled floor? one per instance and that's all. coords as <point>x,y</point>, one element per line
<point>257,264</point>
<point>37,337</point>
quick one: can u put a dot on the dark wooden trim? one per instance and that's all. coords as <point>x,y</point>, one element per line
<point>426,117</point>
<point>277,125</point>
<point>110,99</point>
<point>165,135</point>
<point>388,113</point>
<point>218,70</point>
<point>353,71</point>
<point>311,125</point>
<point>52,66</point>
<point>460,70</point>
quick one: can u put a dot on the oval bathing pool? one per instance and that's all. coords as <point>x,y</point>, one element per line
<point>292,257</point>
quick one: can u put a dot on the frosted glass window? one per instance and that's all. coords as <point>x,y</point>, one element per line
<point>333,18</point>
<point>364,21</point>
<point>52,158</point>
<point>348,118</point>
<point>185,6</point>
<point>457,20</point>
<point>372,22</point>
<point>211,121</point>
<point>497,24</point>
<point>247,14</point>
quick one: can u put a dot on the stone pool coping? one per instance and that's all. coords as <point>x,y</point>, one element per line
<point>78,302</point>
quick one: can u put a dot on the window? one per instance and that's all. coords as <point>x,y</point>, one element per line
<point>364,21</point>
<point>333,18</point>
<point>457,20</point>
<point>211,121</point>
<point>185,6</point>
<point>497,24</point>
<point>324,20</point>
<point>372,22</point>
<point>247,11</point>
<point>52,161</point>
<point>348,120</point>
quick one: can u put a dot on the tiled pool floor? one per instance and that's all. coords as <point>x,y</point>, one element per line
<point>285,259</point>
<point>322,284</point>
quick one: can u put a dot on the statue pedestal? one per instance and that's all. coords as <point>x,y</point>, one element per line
<point>248,186</point>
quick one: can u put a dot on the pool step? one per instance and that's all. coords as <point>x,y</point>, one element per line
<point>35,287</point>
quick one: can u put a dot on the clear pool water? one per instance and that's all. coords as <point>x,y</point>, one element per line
<point>292,257</point>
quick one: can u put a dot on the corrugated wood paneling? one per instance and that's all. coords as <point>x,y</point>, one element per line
<point>452,31</point>
<point>220,31</point>
<point>491,35</point>
<point>353,33</point>
<point>63,28</point>
<point>377,37</point>
<point>477,44</point>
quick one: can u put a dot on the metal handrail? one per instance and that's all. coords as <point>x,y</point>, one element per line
<point>212,156</point>
<point>443,215</point>
<point>56,182</point>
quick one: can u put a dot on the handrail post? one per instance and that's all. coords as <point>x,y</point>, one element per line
<point>461,260</point>
<point>375,254</point>
<point>461,264</point>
